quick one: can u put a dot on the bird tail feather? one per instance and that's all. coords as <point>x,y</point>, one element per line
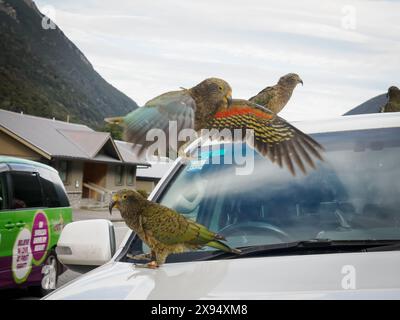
<point>221,246</point>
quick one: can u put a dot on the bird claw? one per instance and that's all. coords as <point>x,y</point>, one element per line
<point>153,265</point>
<point>143,256</point>
<point>150,265</point>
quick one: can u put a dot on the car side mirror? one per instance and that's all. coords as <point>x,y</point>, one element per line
<point>85,245</point>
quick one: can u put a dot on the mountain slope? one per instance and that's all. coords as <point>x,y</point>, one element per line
<point>370,106</point>
<point>43,73</point>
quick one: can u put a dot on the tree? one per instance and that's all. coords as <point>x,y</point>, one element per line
<point>114,129</point>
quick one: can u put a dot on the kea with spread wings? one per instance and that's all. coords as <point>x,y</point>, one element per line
<point>209,105</point>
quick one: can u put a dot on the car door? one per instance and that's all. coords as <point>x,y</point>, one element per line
<point>26,198</point>
<point>8,233</point>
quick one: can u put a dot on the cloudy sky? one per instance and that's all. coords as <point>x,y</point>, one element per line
<point>345,51</point>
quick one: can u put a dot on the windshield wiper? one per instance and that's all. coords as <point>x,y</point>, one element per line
<point>312,246</point>
<point>395,245</point>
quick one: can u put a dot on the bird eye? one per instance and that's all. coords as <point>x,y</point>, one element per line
<point>124,196</point>
<point>220,88</point>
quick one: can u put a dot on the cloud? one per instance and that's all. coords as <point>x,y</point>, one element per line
<point>147,47</point>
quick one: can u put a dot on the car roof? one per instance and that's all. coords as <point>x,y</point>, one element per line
<point>350,123</point>
<point>13,163</point>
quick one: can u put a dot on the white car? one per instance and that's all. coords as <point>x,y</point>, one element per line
<point>332,234</point>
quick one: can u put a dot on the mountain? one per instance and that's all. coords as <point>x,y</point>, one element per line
<point>43,73</point>
<point>370,106</point>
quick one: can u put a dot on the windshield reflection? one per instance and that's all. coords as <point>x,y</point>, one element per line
<point>353,194</point>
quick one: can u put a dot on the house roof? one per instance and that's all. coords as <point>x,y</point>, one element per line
<point>157,170</point>
<point>59,139</point>
<point>89,142</point>
<point>129,152</point>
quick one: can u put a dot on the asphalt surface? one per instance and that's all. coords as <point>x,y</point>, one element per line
<point>120,231</point>
<point>80,214</point>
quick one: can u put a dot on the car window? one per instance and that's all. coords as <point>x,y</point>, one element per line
<point>353,194</point>
<point>60,190</point>
<point>53,189</point>
<point>26,190</point>
<point>3,192</point>
<point>49,192</point>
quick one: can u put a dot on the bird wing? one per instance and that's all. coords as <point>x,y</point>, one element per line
<point>391,106</point>
<point>169,227</point>
<point>264,97</point>
<point>274,137</point>
<point>176,106</point>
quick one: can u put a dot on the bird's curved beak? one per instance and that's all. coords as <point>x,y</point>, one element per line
<point>301,81</point>
<point>229,98</point>
<point>113,203</point>
<point>111,206</point>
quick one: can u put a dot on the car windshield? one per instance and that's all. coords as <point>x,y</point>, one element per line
<point>352,195</point>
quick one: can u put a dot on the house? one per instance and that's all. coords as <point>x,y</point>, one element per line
<point>148,177</point>
<point>91,164</point>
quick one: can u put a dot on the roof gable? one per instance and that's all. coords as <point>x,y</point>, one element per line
<point>42,133</point>
<point>62,139</point>
<point>129,152</point>
<point>89,142</point>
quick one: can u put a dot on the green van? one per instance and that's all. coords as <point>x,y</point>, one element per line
<point>34,208</point>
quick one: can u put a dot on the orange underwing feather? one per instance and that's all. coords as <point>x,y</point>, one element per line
<point>274,137</point>
<point>241,112</point>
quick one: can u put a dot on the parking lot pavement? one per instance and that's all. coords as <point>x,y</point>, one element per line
<point>81,214</point>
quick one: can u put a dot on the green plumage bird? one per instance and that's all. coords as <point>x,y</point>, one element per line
<point>276,97</point>
<point>191,109</point>
<point>209,105</point>
<point>393,104</point>
<point>164,230</point>
<point>274,137</point>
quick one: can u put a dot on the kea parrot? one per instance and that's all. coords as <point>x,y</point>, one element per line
<point>164,230</point>
<point>393,104</point>
<point>209,105</point>
<point>274,137</point>
<point>276,97</point>
<point>191,108</point>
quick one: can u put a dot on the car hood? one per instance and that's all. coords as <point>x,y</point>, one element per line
<point>365,275</point>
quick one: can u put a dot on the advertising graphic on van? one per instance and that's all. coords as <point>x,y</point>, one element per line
<point>28,249</point>
<point>40,236</point>
<point>33,212</point>
<point>22,256</point>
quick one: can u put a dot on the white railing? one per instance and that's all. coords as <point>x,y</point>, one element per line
<point>104,193</point>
